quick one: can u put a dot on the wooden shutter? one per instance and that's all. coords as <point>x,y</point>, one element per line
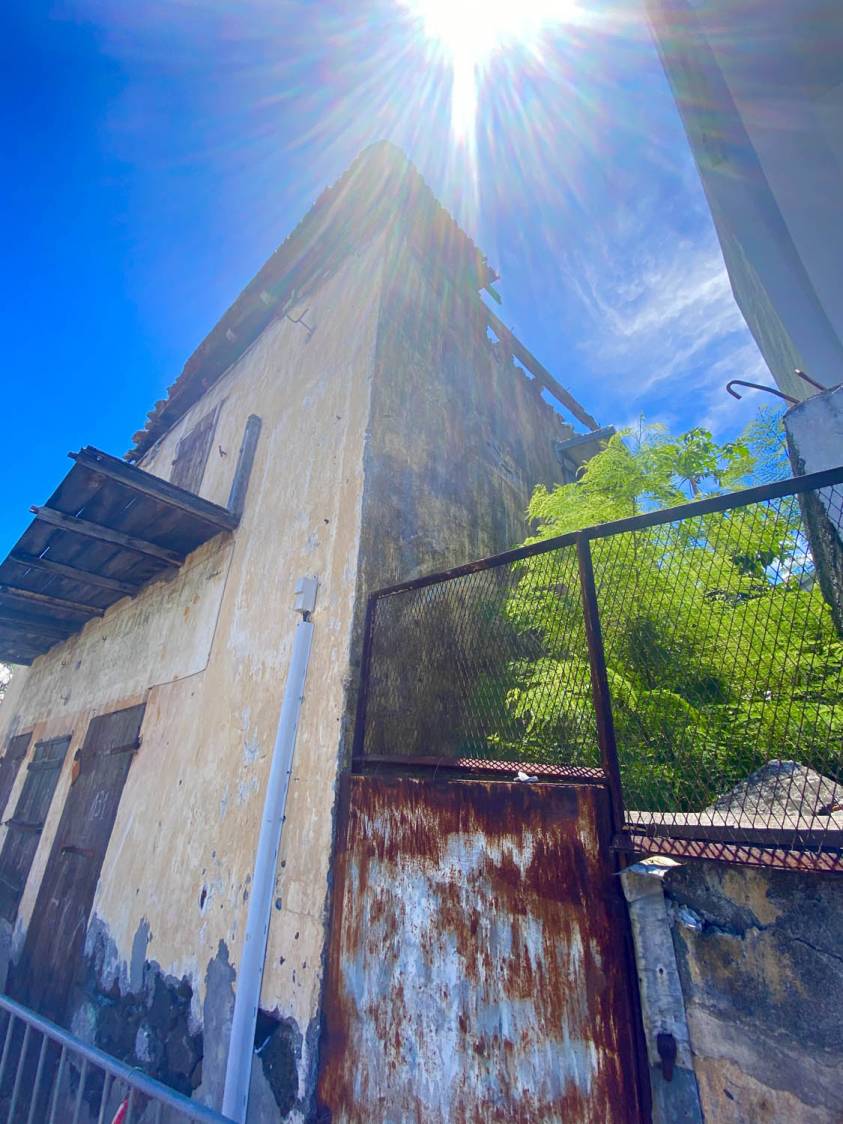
<point>55,938</point>
<point>9,765</point>
<point>192,454</point>
<point>24,828</point>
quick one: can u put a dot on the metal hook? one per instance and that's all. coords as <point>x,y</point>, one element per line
<point>809,380</point>
<point>300,320</point>
<point>758,386</point>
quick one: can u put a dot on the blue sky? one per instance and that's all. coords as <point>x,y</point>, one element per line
<point>157,152</point>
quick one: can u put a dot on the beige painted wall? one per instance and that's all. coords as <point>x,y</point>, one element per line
<point>210,650</point>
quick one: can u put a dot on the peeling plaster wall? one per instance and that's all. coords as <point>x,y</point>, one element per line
<point>209,653</point>
<point>161,636</point>
<point>758,954</point>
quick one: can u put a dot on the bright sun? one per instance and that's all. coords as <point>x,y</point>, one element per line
<point>470,31</point>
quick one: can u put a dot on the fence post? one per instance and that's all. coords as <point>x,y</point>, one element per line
<point>600,683</point>
<point>363,679</point>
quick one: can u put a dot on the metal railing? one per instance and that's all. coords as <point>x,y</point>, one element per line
<point>691,659</point>
<point>48,1075</point>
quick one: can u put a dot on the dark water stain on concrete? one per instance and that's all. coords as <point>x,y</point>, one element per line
<point>278,1044</point>
<point>217,1013</point>
<point>139,1014</point>
<point>142,1017</point>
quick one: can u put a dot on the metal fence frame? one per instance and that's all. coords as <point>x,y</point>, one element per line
<point>141,1094</point>
<point>768,846</point>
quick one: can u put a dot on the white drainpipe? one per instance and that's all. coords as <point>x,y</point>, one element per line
<point>241,1046</point>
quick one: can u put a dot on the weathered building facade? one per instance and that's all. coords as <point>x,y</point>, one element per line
<point>382,432</point>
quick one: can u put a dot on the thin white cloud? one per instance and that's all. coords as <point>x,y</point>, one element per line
<point>742,360</point>
<point>663,321</point>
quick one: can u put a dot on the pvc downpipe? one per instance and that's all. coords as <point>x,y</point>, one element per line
<point>241,1047</point>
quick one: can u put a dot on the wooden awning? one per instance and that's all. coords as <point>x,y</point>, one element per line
<point>108,530</point>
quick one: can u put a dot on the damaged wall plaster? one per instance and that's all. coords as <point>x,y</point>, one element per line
<point>757,953</point>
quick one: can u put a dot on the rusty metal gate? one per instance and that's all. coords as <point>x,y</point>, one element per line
<point>477,968</point>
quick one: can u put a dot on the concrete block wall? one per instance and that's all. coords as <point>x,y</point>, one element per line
<point>815,442</point>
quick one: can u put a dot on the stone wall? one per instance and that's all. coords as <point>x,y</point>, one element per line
<point>757,960</point>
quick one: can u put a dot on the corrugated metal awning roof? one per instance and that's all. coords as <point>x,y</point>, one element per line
<point>108,530</point>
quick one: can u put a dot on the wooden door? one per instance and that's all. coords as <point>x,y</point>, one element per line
<point>52,952</point>
<point>25,826</point>
<point>9,765</point>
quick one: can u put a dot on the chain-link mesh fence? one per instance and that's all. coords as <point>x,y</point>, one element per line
<point>708,687</point>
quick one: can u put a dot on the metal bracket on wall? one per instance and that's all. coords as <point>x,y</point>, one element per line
<point>300,320</point>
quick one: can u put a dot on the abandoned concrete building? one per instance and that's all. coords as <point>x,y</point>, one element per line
<point>444,943</point>
<point>349,419</point>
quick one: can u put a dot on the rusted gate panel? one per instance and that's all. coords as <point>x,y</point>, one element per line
<point>477,967</point>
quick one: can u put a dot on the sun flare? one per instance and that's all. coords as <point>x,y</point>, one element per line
<point>469,32</point>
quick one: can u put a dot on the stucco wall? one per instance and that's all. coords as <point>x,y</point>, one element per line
<point>209,652</point>
<point>749,83</point>
<point>781,90</point>
<point>459,437</point>
<point>815,442</point>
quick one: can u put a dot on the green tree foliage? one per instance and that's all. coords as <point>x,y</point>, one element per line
<point>721,651</point>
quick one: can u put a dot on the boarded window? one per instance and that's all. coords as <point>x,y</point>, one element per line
<point>25,826</point>
<point>192,454</point>
<point>9,765</point>
<point>55,938</point>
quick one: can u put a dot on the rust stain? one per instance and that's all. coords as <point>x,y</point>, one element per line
<point>476,968</point>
